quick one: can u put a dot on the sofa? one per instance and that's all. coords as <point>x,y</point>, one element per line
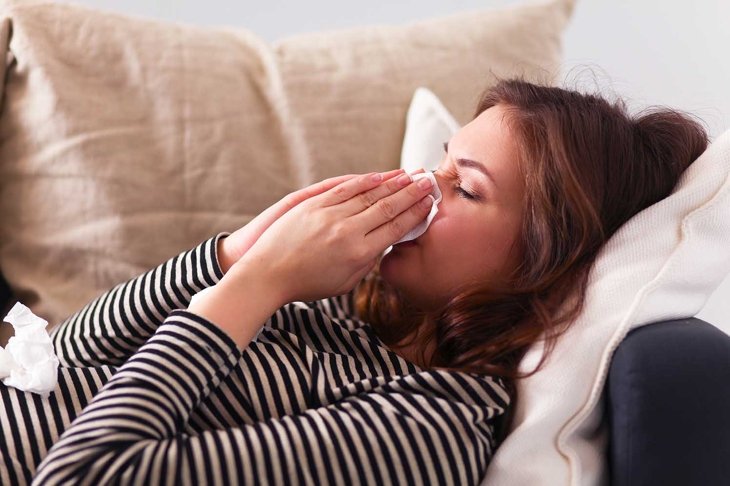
<point>124,141</point>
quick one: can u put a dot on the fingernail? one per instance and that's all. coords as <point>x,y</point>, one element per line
<point>404,180</point>
<point>425,183</point>
<point>376,177</point>
<point>426,202</point>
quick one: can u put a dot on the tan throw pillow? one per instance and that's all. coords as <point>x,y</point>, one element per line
<point>126,140</point>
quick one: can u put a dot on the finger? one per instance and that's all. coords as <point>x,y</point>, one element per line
<point>274,212</point>
<point>393,230</point>
<point>369,198</point>
<point>350,188</point>
<point>389,200</point>
<point>387,208</point>
<point>318,188</point>
<point>391,173</point>
<point>328,184</point>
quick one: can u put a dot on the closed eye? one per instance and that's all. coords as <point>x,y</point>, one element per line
<point>457,187</point>
<point>462,193</point>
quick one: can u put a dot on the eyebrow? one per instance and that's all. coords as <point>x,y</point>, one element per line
<point>471,164</point>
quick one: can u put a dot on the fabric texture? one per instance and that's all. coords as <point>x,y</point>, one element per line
<point>662,264</point>
<point>151,393</point>
<point>126,139</point>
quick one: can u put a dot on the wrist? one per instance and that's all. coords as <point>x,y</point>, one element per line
<point>239,306</point>
<point>225,259</point>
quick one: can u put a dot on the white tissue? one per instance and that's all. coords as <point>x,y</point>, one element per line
<point>423,225</point>
<point>28,362</point>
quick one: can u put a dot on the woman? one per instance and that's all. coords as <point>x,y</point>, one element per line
<point>406,378</point>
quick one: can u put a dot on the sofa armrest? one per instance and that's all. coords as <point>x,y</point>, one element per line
<point>668,405</point>
<point>6,294</point>
<point>6,301</point>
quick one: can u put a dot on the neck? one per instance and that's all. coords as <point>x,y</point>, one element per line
<point>411,346</point>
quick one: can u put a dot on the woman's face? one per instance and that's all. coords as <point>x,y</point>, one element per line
<point>470,239</point>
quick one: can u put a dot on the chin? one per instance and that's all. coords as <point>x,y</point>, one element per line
<point>385,272</point>
<point>392,268</point>
<point>410,287</point>
<point>396,275</point>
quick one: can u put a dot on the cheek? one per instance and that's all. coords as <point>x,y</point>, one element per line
<point>456,240</point>
<point>458,229</point>
<point>445,232</point>
<point>469,245</point>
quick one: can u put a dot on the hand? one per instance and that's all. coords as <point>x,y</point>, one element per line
<point>235,245</point>
<point>327,243</point>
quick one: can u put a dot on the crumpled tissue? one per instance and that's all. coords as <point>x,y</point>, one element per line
<point>423,225</point>
<point>28,362</point>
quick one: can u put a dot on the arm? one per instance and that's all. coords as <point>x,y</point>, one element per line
<point>132,431</point>
<point>109,329</point>
<point>113,326</point>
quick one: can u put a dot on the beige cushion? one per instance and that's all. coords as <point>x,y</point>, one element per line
<point>126,140</point>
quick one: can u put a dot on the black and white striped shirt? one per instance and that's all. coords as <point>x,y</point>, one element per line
<point>316,399</point>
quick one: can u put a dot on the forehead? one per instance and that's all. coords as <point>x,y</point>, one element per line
<point>489,140</point>
<point>487,132</point>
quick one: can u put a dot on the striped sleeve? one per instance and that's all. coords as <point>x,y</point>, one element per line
<point>109,329</point>
<point>133,432</point>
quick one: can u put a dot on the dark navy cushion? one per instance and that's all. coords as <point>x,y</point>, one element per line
<point>668,406</point>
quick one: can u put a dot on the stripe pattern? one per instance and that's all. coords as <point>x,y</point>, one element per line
<point>150,393</point>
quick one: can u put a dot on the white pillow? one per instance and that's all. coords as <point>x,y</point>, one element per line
<point>428,125</point>
<point>661,264</point>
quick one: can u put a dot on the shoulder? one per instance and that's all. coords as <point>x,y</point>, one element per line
<point>325,325</point>
<point>457,386</point>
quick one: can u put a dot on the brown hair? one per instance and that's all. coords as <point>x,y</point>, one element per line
<point>588,167</point>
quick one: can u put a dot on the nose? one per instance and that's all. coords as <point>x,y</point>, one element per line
<point>440,186</point>
<point>438,179</point>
